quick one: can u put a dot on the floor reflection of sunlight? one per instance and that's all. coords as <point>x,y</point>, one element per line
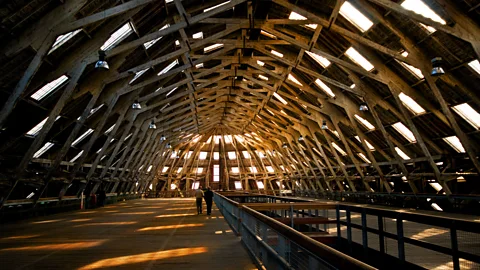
<point>144,257</point>
<point>18,237</point>
<point>74,245</point>
<point>428,233</point>
<point>464,264</point>
<point>175,215</point>
<point>135,213</point>
<point>80,220</point>
<point>166,227</point>
<point>47,221</point>
<point>178,208</point>
<point>107,223</point>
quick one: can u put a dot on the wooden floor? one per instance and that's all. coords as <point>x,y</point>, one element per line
<point>139,234</point>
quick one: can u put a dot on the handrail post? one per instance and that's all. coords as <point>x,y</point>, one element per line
<point>454,243</point>
<point>401,244</point>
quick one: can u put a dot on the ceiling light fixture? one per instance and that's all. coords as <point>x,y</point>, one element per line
<point>284,145</point>
<point>363,106</point>
<point>169,146</point>
<point>437,69</point>
<point>324,125</point>
<point>300,138</point>
<point>162,138</point>
<point>152,125</point>
<point>136,105</point>
<point>102,63</point>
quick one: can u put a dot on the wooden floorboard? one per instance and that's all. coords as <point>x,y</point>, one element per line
<point>139,234</point>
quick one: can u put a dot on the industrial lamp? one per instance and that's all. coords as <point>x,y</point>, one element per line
<point>162,138</point>
<point>101,63</point>
<point>324,125</point>
<point>300,138</point>
<point>168,146</point>
<point>284,145</point>
<point>363,106</point>
<point>152,125</point>
<point>437,69</point>
<point>136,105</point>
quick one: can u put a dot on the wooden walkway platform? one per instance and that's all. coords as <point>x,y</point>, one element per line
<point>139,234</point>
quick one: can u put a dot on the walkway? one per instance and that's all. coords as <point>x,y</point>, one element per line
<point>139,234</point>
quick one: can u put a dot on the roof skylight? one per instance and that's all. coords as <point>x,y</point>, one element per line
<point>216,156</point>
<point>415,71</point>
<point>293,79</point>
<point>364,122</point>
<point>469,114</point>
<point>370,146</point>
<point>76,157</point>
<point>265,78</point>
<point>419,7</point>
<point>238,185</point>
<point>110,129</point>
<point>260,185</point>
<point>364,158</point>
<point>411,104</point>
<point>325,88</point>
<point>150,43</point>
<point>475,65</point>
<point>235,170</point>
<point>62,39</point>
<point>319,59</point>
<point>270,169</point>
<point>401,153</point>
<point>36,129</point>
<point>42,150</point>
<point>276,53</point>
<point>203,155</point>
<point>349,12</point>
<point>246,154</point>
<point>199,170</point>
<point>117,37</point>
<point>267,34</point>
<point>253,169</point>
<point>83,136</point>
<point>212,47</point>
<point>277,96</point>
<point>356,57</point>
<point>260,63</point>
<point>198,35</point>
<point>296,16</point>
<point>49,87</point>
<point>232,155</point>
<point>455,143</point>
<point>165,169</point>
<point>340,150</point>
<point>404,131</point>
<point>168,68</point>
<point>219,5</point>
<point>138,74</point>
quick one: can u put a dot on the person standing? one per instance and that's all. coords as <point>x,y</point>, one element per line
<point>199,197</point>
<point>208,200</point>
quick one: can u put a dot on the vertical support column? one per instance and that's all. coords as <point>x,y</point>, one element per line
<point>349,230</point>
<point>401,244</point>
<point>364,233</point>
<point>381,238</point>
<point>454,247</point>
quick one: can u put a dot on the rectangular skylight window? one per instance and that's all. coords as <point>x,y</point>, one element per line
<point>168,68</point>
<point>475,65</point>
<point>293,79</point>
<point>216,156</point>
<point>219,5</point>
<point>325,88</point>
<point>265,78</point>
<point>469,114</point>
<point>238,185</point>
<point>349,12</point>
<point>189,155</point>
<point>276,53</point>
<point>212,47</point>
<point>235,170</point>
<point>296,16</point>
<point>42,150</point>
<point>138,74</point>
<point>83,136</point>
<point>319,59</point>
<point>216,173</point>
<point>150,43</point>
<point>270,169</point>
<point>199,170</point>
<point>76,157</point>
<point>198,35</point>
<point>404,131</point>
<point>364,158</point>
<point>232,155</point>
<point>419,7</point>
<point>367,143</point>
<point>253,169</point>
<point>260,185</point>
<point>415,71</point>
<point>199,65</point>
<point>149,168</point>
<point>277,96</point>
<point>179,169</point>
<point>170,92</point>
<point>340,150</point>
<point>109,129</point>
<point>411,104</point>
<point>117,37</point>
<point>246,154</point>
<point>195,185</point>
<point>356,57</point>
<point>49,87</point>
<point>364,122</point>
<point>268,35</point>
<point>36,129</point>
<point>128,136</point>
<point>62,39</point>
<point>455,143</point>
<point>260,63</point>
<point>203,155</point>
<point>165,169</point>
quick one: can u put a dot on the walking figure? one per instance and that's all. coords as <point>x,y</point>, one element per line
<point>199,197</point>
<point>208,200</point>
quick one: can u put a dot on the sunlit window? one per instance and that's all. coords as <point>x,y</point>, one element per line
<point>356,57</point>
<point>168,94</point>
<point>319,59</point>
<point>455,143</point>
<point>138,75</point>
<point>469,114</point>
<point>212,47</point>
<point>117,37</point>
<point>42,150</point>
<point>260,185</point>
<point>216,173</point>
<point>199,170</point>
<point>265,78</point>
<point>419,7</point>
<point>228,138</point>
<point>401,153</point>
<point>203,155</point>
<point>216,155</point>
<point>165,169</point>
<point>246,154</point>
<point>413,70</point>
<point>475,65</point>
<point>325,88</point>
<point>36,129</point>
<point>49,87</point>
<point>411,104</point>
<point>261,154</point>
<point>296,16</point>
<point>179,169</point>
<point>340,150</point>
<point>189,155</point>
<point>404,131</point>
<point>364,122</point>
<point>276,53</point>
<point>83,136</point>
<point>150,43</point>
<point>76,157</point>
<point>364,158</point>
<point>270,169</point>
<point>168,68</point>
<point>110,129</point>
<point>253,169</point>
<point>149,168</point>
<point>366,142</point>
<point>198,35</point>
<point>196,185</point>
<point>349,12</point>
<point>235,170</point>
<point>62,39</point>
<point>232,155</point>
<point>238,185</point>
<point>128,136</point>
<point>267,34</point>
<point>260,63</point>
<point>219,5</point>
<point>293,79</point>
